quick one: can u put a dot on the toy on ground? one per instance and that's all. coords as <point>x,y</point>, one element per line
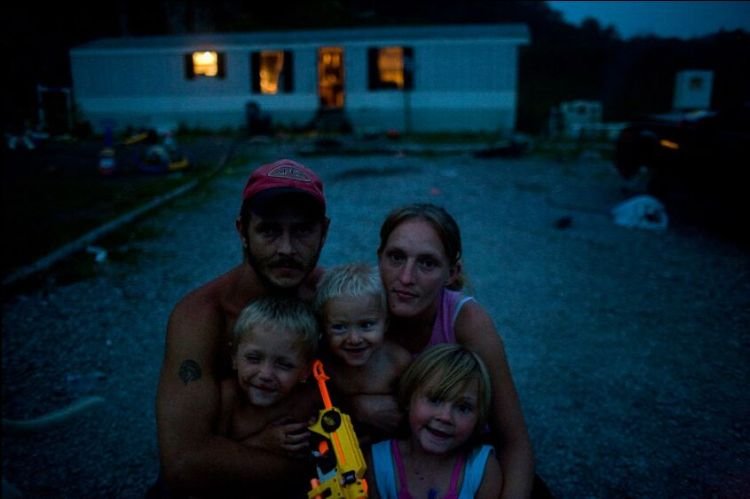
<point>161,154</point>
<point>150,151</point>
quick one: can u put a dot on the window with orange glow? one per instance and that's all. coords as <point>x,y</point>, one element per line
<point>205,63</point>
<point>271,71</point>
<point>271,63</point>
<point>390,68</point>
<point>331,77</point>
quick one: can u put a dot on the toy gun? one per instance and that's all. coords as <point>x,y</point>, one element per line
<point>339,462</point>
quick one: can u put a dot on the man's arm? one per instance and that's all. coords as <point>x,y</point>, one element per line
<point>475,330</point>
<point>194,458</point>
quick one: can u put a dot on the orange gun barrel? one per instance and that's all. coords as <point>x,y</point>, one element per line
<point>320,375</point>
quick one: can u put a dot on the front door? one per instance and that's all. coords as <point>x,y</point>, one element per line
<point>331,77</point>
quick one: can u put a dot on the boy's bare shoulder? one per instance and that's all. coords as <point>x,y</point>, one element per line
<point>384,368</point>
<point>397,355</point>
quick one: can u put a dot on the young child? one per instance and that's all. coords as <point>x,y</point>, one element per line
<point>275,341</point>
<point>350,302</point>
<point>446,392</point>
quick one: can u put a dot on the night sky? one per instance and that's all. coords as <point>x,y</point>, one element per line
<point>666,19</point>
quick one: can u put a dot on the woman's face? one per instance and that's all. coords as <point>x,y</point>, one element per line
<point>414,269</point>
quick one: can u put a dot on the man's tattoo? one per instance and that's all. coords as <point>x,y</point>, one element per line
<point>189,371</point>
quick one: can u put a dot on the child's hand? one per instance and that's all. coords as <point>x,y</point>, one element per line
<point>284,437</point>
<point>294,438</point>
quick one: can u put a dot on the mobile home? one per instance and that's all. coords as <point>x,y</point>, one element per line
<point>454,78</point>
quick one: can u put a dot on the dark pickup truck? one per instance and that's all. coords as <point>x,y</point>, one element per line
<point>701,153</point>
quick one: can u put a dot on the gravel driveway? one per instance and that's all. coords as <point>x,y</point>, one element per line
<point>630,348</point>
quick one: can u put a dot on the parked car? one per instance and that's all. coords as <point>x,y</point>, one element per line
<point>701,153</point>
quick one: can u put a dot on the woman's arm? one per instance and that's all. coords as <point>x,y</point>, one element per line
<point>475,330</point>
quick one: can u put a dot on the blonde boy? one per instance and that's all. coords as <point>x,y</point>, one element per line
<point>275,340</point>
<point>362,364</point>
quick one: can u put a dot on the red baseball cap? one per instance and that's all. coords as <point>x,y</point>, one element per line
<point>284,176</point>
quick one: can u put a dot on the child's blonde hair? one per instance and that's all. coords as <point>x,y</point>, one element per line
<point>441,371</point>
<point>287,313</point>
<point>353,280</point>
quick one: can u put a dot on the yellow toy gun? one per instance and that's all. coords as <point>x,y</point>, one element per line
<point>341,474</point>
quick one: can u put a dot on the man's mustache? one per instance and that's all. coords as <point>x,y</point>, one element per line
<point>286,263</point>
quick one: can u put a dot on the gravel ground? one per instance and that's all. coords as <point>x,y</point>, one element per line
<point>629,347</point>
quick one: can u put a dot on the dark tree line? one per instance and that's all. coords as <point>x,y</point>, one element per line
<point>562,62</point>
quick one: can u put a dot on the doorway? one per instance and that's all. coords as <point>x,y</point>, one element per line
<point>331,77</point>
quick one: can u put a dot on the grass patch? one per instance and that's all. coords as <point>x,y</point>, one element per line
<point>47,211</point>
<point>55,194</point>
<point>453,138</point>
<point>573,149</point>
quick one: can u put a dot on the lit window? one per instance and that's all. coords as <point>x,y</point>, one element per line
<point>390,68</point>
<point>207,63</point>
<point>271,63</point>
<point>331,77</point>
<point>271,71</point>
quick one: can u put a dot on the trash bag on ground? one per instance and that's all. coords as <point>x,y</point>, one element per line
<point>641,212</point>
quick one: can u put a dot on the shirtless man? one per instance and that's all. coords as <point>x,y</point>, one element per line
<point>282,225</point>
